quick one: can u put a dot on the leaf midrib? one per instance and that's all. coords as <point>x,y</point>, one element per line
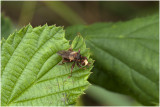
<point>157,52</point>
<point>124,35</point>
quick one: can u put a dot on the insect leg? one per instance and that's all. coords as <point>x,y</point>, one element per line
<point>63,61</point>
<point>78,65</point>
<point>79,51</point>
<point>72,69</point>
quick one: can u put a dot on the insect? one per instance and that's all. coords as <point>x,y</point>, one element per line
<point>75,57</point>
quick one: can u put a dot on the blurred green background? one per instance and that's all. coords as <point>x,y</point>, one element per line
<point>70,13</point>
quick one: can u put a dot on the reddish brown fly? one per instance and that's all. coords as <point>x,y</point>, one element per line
<point>75,57</point>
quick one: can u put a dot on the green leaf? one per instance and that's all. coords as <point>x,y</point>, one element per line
<point>31,73</point>
<point>6,26</point>
<point>126,56</point>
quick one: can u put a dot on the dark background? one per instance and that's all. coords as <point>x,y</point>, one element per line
<point>80,12</point>
<point>85,12</point>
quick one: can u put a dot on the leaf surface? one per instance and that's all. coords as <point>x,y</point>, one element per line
<point>31,73</point>
<point>126,56</point>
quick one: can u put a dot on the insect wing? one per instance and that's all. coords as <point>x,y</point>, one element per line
<point>64,54</point>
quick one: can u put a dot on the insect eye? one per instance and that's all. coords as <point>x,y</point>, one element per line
<point>83,63</point>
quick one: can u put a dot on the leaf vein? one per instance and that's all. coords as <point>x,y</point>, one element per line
<point>52,94</point>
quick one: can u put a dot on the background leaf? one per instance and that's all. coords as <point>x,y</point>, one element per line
<point>6,26</point>
<point>31,74</point>
<point>126,56</point>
